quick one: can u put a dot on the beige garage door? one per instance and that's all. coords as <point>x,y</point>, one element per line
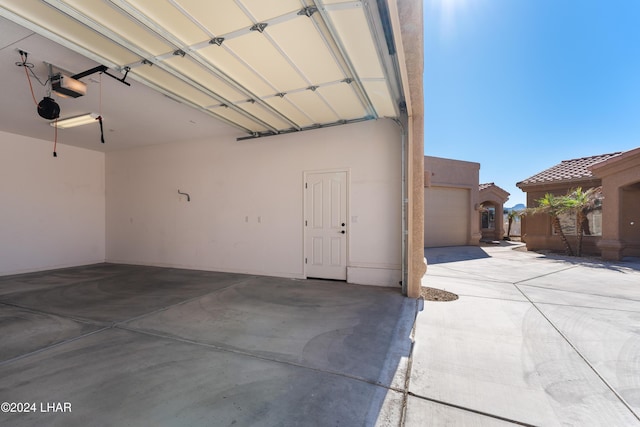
<point>446,216</point>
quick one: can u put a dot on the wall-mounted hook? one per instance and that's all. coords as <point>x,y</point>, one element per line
<point>185,194</point>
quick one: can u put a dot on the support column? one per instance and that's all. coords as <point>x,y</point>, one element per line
<point>611,246</point>
<point>410,17</point>
<point>499,221</point>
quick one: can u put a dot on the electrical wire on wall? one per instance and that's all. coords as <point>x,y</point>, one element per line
<point>47,108</point>
<point>99,118</point>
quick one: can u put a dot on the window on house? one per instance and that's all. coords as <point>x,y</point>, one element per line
<point>489,218</point>
<point>592,227</point>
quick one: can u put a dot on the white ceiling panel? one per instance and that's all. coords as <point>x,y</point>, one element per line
<point>195,71</point>
<point>219,17</point>
<point>172,84</point>
<point>343,100</point>
<point>225,61</point>
<point>168,17</point>
<point>352,26</point>
<point>314,106</point>
<point>260,55</point>
<point>11,33</point>
<point>379,94</point>
<point>301,42</point>
<point>260,112</point>
<point>262,10</point>
<point>284,105</point>
<point>120,23</point>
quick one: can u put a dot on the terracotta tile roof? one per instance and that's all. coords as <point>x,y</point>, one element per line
<point>567,170</point>
<point>484,186</point>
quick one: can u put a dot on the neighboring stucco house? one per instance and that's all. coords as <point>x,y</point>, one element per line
<point>451,202</point>
<point>492,199</point>
<point>613,230</point>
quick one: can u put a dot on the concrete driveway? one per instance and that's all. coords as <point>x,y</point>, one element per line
<point>116,345</point>
<point>532,340</point>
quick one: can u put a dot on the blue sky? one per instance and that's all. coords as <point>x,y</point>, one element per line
<point>520,85</point>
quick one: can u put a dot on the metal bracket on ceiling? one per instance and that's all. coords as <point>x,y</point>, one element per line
<point>308,11</point>
<point>217,41</point>
<point>281,94</point>
<point>179,52</point>
<point>259,27</point>
<point>146,62</point>
<point>348,80</point>
<point>312,88</point>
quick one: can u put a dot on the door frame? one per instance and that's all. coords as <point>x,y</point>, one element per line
<point>304,213</point>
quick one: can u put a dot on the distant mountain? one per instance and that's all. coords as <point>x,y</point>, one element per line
<point>518,207</point>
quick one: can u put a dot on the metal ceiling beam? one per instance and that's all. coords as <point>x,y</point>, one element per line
<point>193,53</point>
<point>171,39</point>
<point>285,56</point>
<point>377,15</point>
<point>313,127</point>
<point>219,40</point>
<point>323,24</point>
<point>115,38</point>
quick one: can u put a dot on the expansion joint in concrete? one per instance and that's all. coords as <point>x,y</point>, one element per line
<point>582,356</point>
<point>475,411</point>
<point>407,378</point>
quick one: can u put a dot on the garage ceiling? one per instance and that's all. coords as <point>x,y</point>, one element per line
<point>265,67</point>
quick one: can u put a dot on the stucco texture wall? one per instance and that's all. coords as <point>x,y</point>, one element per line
<point>451,202</point>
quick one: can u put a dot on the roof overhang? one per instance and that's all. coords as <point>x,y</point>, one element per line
<point>627,160</point>
<point>493,193</point>
<point>559,184</point>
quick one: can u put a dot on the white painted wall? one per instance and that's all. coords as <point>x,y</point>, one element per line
<point>52,210</point>
<point>246,209</point>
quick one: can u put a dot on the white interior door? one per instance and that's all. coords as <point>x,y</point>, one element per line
<point>326,225</point>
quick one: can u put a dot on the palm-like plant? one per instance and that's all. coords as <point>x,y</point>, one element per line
<point>512,215</point>
<point>583,202</point>
<point>554,206</point>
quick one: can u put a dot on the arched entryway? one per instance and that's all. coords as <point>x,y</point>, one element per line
<point>492,199</point>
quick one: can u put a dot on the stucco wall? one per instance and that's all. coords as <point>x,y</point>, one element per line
<point>246,209</point>
<point>630,220</point>
<point>621,207</point>
<point>443,174</point>
<point>452,173</point>
<point>52,212</point>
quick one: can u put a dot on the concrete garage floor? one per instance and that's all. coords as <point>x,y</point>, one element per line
<point>130,345</point>
<point>532,340</point>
